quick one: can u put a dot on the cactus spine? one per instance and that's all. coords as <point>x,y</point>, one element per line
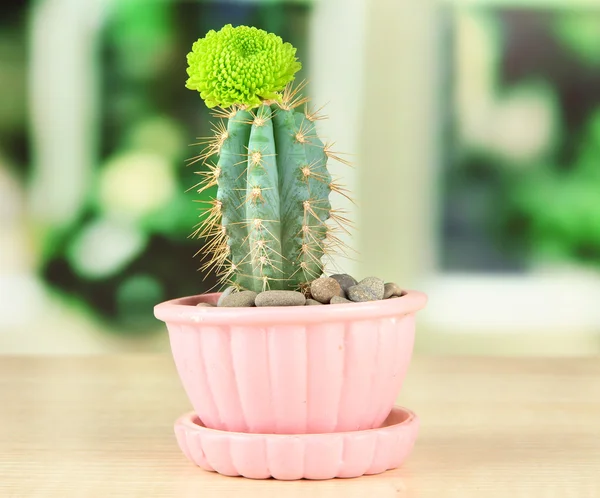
<point>269,221</point>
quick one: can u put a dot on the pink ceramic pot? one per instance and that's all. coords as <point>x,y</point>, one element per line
<point>292,370</point>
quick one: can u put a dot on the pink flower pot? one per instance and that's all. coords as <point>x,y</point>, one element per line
<point>292,370</point>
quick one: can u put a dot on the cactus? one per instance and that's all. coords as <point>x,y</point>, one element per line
<point>269,221</point>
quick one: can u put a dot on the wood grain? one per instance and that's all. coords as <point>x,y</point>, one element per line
<point>102,427</point>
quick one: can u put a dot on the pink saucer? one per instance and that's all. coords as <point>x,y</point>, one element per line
<point>291,456</point>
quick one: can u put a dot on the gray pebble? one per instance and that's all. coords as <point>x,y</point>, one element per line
<point>375,286</point>
<point>239,299</point>
<point>359,294</point>
<point>228,291</point>
<point>205,305</point>
<point>339,300</point>
<point>346,281</point>
<point>324,288</point>
<point>368,289</point>
<point>312,302</point>
<point>280,298</point>
<point>392,290</point>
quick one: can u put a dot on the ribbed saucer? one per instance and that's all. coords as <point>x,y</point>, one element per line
<point>299,456</point>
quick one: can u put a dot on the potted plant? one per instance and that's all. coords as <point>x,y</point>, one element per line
<point>291,374</point>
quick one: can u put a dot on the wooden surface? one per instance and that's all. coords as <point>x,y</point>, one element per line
<point>102,427</point>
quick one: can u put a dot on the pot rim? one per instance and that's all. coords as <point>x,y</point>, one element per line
<point>184,310</point>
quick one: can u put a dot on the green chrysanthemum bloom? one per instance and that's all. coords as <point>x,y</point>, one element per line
<point>240,65</point>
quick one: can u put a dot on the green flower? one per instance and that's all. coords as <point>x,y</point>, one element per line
<point>241,66</point>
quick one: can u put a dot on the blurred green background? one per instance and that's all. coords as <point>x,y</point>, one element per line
<point>96,203</point>
<point>523,178</point>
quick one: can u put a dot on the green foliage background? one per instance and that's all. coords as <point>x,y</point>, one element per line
<point>509,213</point>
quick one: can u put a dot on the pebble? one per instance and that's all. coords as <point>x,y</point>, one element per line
<point>392,290</point>
<point>359,294</point>
<point>280,298</point>
<point>339,300</point>
<point>228,291</point>
<point>374,285</point>
<point>324,288</point>
<point>205,305</point>
<point>368,289</point>
<point>312,302</point>
<point>346,281</point>
<point>244,299</point>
